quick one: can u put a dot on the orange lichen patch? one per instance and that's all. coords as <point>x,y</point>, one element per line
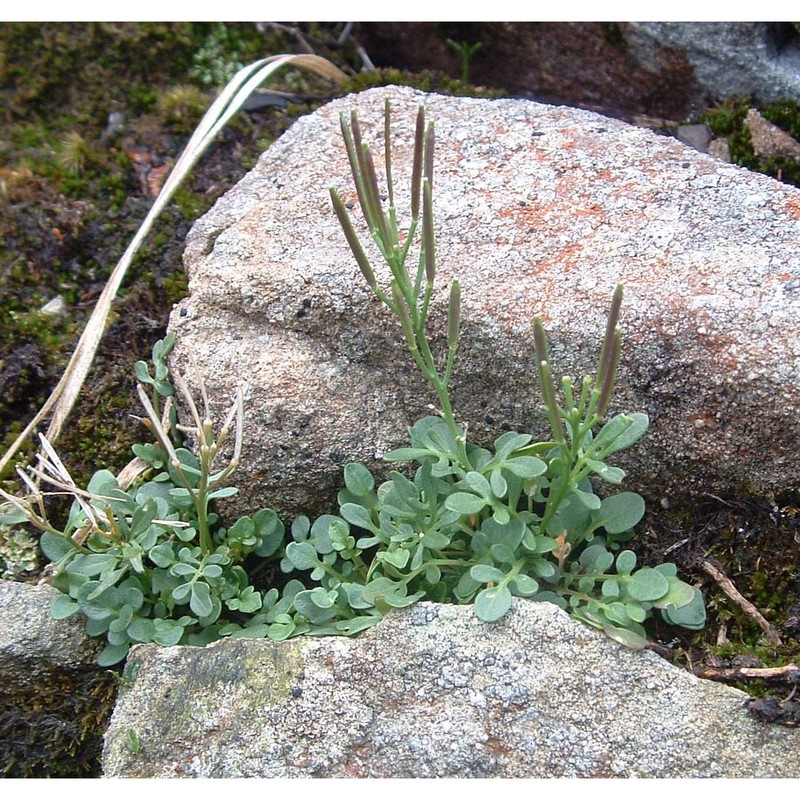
<point>791,206</point>
<point>594,210</point>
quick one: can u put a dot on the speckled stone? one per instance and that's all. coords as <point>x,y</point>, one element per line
<point>32,643</point>
<point>434,692</point>
<point>539,210</point>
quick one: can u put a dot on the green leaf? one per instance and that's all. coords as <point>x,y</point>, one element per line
<point>647,585</point>
<point>113,654</point>
<point>610,588</point>
<point>680,594</point>
<point>625,637</point>
<point>691,616</point>
<point>162,555</point>
<point>63,606</point>
<point>596,558</point>
<point>478,484</point>
<point>616,613</point>
<point>588,499</point>
<point>358,479</point>
<point>626,562</point>
<point>607,473</point>
<point>619,433</point>
<point>56,547</point>
<point>492,604</point>
<point>270,532</point>
<point>620,512</point>
<point>103,482</point>
<point>200,601</point>
<point>142,630</point>
<point>357,515</point>
<point>526,466</point>
<point>226,491</point>
<point>635,611</point>
<point>525,586</point>
<point>315,605</point>
<point>302,555</point>
<point>408,454</point>
<point>498,483</point>
<point>483,573</point>
<point>464,503</point>
<point>509,442</point>
<point>12,516</point>
<point>397,558</point>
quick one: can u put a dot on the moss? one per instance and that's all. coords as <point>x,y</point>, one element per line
<point>56,729</point>
<point>727,121</point>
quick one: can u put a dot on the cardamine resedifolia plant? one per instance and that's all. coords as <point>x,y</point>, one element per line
<point>144,557</point>
<point>473,524</point>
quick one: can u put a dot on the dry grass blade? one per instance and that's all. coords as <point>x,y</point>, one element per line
<point>222,109</point>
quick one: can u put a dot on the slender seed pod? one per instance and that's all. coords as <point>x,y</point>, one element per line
<point>429,141</point>
<point>608,339</point>
<point>387,145</point>
<point>454,315</point>
<point>610,377</point>
<point>371,180</point>
<point>352,156</point>
<point>352,239</point>
<point>427,231</point>
<point>416,172</point>
<point>546,381</point>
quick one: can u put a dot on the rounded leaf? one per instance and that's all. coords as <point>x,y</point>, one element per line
<point>492,604</point>
<point>464,503</point>
<point>358,479</point>
<point>691,616</point>
<point>525,586</point>
<point>626,562</point>
<point>621,512</point>
<point>647,585</point>
<point>483,573</point>
<point>302,555</point>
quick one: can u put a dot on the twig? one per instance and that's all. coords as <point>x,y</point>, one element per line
<point>733,674</point>
<point>345,33</point>
<point>733,593</point>
<point>367,61</point>
<point>292,30</point>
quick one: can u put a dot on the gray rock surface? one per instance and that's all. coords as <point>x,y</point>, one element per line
<point>434,692</point>
<point>769,140</point>
<point>32,643</point>
<point>540,210</point>
<point>731,59</point>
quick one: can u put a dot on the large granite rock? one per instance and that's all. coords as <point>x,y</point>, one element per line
<point>540,210</point>
<point>729,59</point>
<point>434,692</point>
<point>33,645</point>
<point>667,70</point>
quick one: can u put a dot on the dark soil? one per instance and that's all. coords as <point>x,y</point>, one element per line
<point>74,188</point>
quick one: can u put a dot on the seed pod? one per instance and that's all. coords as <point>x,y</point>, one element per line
<point>352,239</point>
<point>429,139</point>
<point>454,315</point>
<point>352,157</point>
<point>427,231</point>
<point>387,145</point>
<point>416,172</point>
<point>546,381</point>
<point>609,352</point>
<point>374,196</point>
<point>610,376</point>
